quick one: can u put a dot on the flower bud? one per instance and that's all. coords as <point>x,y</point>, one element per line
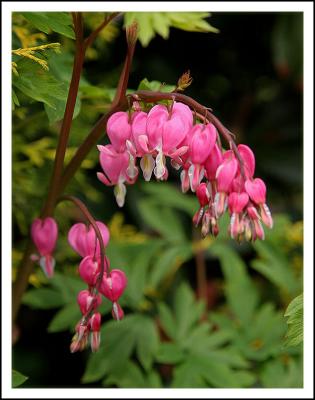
<point>85,300</point>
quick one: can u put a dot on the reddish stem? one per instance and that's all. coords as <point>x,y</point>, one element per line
<point>82,207</point>
<point>58,182</point>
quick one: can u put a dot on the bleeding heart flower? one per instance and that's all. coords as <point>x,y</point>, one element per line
<point>83,240</point>
<point>113,285</point>
<point>44,233</point>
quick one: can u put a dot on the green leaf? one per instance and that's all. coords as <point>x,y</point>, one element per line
<point>169,195</point>
<point>167,262</point>
<point>138,274</point>
<point>147,340</point>
<point>294,313</point>
<point>191,22</point>
<point>240,291</point>
<point>162,219</point>
<point>65,319</point>
<point>17,378</point>
<point>214,339</point>
<point>15,99</point>
<point>188,375</point>
<point>274,266</point>
<point>153,23</point>
<point>135,331</point>
<point>68,286</point>
<point>155,86</point>
<point>43,298</point>
<point>167,320</point>
<point>229,356</point>
<point>56,113</point>
<point>95,92</point>
<point>282,373</point>
<point>118,341</point>
<point>131,376</point>
<point>203,371</point>
<point>59,22</point>
<point>184,301</point>
<point>169,353</point>
<point>38,84</point>
<point>262,337</point>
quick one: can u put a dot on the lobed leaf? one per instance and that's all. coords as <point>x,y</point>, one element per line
<point>294,314</point>
<point>60,22</point>
<point>152,23</point>
<point>43,298</point>
<point>240,291</point>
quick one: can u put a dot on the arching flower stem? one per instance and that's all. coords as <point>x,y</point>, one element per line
<point>103,260</point>
<point>204,113</point>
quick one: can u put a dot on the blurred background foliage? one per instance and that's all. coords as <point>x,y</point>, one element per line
<point>250,73</point>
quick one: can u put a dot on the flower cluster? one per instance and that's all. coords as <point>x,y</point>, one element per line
<point>111,284</point>
<point>220,179</point>
<point>230,187</point>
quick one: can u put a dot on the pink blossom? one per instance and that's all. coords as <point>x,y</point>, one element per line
<point>203,138</point>
<point>237,202</point>
<point>256,189</point>
<point>212,162</point>
<point>83,240</point>
<point>95,336</point>
<point>166,131</point>
<point>224,175</point>
<point>115,167</point>
<point>119,130</point>
<point>44,233</point>
<point>248,159</point>
<point>85,300</point>
<point>89,269</point>
<point>203,194</point>
<point>113,286</point>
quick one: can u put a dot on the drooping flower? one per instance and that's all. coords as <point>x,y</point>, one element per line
<point>115,167</point>
<point>119,130</point>
<point>166,130</point>
<point>44,233</point>
<point>212,162</point>
<point>203,198</point>
<point>113,285</point>
<point>86,300</point>
<point>256,190</point>
<point>224,176</point>
<point>83,240</point>
<point>139,146</point>
<point>202,141</point>
<point>237,203</point>
<point>95,327</point>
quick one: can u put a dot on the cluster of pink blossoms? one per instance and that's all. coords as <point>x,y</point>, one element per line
<point>83,240</point>
<point>217,177</point>
<point>111,284</point>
